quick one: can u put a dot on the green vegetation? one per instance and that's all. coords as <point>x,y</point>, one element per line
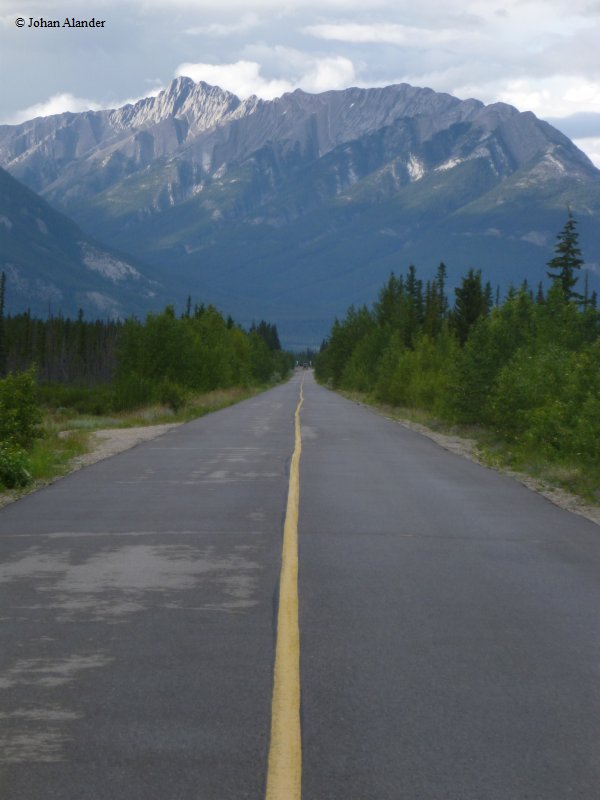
<point>567,260</point>
<point>164,358</point>
<point>524,375</point>
<point>19,426</point>
<point>65,378</point>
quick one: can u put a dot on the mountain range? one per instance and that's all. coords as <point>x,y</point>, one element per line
<point>291,209</point>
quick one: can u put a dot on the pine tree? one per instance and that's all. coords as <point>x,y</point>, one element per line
<point>567,260</point>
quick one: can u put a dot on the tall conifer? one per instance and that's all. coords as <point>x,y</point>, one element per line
<point>567,260</point>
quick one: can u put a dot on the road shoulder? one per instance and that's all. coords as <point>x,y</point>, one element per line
<point>468,448</point>
<point>104,443</point>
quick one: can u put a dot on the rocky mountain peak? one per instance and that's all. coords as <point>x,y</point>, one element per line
<point>286,194</point>
<point>202,106</point>
<point>222,129</point>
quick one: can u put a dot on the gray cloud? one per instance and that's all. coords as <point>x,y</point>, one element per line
<point>536,54</point>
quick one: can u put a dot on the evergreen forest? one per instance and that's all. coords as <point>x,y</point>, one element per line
<point>522,373</point>
<point>62,368</point>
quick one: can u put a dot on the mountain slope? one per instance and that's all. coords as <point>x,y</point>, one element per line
<point>295,207</point>
<point>52,266</point>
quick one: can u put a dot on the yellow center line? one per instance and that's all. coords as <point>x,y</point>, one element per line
<point>284,771</point>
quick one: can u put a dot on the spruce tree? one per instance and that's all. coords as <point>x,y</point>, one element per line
<point>567,260</point>
<point>389,307</point>
<point>441,276</point>
<point>415,309</point>
<point>472,302</point>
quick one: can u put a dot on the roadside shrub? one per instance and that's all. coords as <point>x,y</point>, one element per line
<point>418,377</point>
<point>171,395</point>
<point>14,466</point>
<point>360,371</point>
<point>132,391</point>
<point>586,433</point>
<point>389,385</point>
<point>548,428</point>
<point>96,400</point>
<point>20,415</point>
<point>531,393</point>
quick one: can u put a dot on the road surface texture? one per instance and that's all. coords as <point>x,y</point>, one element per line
<point>449,619</point>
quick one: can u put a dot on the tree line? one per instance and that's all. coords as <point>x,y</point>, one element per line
<point>199,350</point>
<point>528,367</point>
<point>99,367</point>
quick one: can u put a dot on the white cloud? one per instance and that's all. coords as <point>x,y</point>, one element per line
<point>57,104</point>
<point>62,103</point>
<point>525,95</point>
<point>538,55</point>
<point>244,78</point>
<point>584,94</point>
<point>557,96</point>
<point>326,74</point>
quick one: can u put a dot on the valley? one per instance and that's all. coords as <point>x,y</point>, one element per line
<point>295,208</point>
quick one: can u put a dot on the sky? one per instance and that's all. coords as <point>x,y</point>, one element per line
<point>538,55</point>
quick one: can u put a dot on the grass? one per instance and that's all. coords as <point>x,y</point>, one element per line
<point>579,479</point>
<point>50,457</point>
<point>195,405</point>
<point>52,453</point>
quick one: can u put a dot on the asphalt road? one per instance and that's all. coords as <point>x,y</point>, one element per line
<point>449,619</point>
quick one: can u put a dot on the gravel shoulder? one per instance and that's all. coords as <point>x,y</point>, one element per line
<point>110,441</point>
<point>103,444</point>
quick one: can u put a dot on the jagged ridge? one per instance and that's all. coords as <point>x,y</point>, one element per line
<point>206,185</point>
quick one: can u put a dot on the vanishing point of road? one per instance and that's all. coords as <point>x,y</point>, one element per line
<point>425,629</point>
